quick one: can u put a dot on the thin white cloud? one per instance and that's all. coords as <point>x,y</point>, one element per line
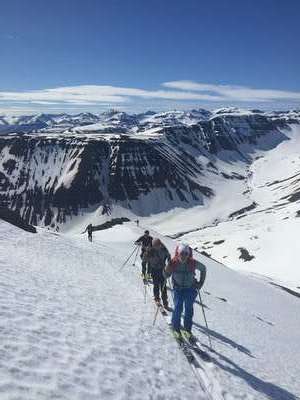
<point>44,102</point>
<point>100,93</point>
<point>236,93</point>
<point>178,92</point>
<point>84,94</point>
<point>10,110</point>
<point>74,95</point>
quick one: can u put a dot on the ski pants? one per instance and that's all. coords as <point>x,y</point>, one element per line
<point>187,298</point>
<point>145,265</point>
<point>159,285</point>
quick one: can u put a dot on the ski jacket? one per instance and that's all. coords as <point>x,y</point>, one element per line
<point>183,273</point>
<point>88,229</point>
<point>157,257</point>
<point>145,241</point>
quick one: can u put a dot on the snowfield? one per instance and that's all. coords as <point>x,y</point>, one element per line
<point>268,232</point>
<point>73,326</point>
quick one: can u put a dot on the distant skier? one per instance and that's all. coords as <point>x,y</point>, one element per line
<point>89,230</point>
<point>145,241</point>
<point>182,268</point>
<point>156,256</point>
<point>137,222</point>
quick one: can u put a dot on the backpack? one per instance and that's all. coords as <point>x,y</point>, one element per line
<point>175,261</point>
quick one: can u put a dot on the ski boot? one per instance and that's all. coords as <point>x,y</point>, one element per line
<point>177,335</point>
<point>157,302</point>
<point>189,336</point>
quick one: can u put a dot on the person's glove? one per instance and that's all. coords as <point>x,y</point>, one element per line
<point>197,285</point>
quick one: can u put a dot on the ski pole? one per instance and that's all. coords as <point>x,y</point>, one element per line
<point>136,254</point>
<point>128,258</point>
<point>145,293</point>
<point>208,335</point>
<point>155,316</point>
<point>172,290</point>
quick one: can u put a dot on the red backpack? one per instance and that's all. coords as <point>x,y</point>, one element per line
<point>175,261</point>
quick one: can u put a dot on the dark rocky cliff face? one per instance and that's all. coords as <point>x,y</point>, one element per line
<point>48,178</point>
<point>14,218</point>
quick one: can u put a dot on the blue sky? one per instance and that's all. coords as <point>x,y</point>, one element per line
<point>91,55</point>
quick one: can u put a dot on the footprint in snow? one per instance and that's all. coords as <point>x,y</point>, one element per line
<point>262,320</point>
<point>222,299</point>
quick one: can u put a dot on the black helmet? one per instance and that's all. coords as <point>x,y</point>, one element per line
<point>146,232</point>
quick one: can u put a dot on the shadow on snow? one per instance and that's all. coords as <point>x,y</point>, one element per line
<point>269,389</point>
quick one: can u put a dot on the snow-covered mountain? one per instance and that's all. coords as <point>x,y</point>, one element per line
<point>73,326</point>
<point>250,225</point>
<point>223,171</point>
<point>49,176</point>
<point>121,122</point>
<point>40,122</point>
<point>107,120</point>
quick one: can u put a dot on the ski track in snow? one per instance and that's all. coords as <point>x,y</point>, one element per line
<point>73,326</point>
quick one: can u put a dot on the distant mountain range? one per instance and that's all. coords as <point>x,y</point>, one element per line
<point>121,122</point>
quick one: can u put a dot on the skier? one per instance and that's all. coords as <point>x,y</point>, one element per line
<point>145,241</point>
<point>89,230</point>
<point>182,268</point>
<point>156,256</point>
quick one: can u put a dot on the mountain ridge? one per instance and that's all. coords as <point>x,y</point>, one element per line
<point>114,120</point>
<point>52,176</point>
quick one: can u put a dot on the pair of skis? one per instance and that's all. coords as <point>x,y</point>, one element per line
<point>191,351</point>
<point>190,348</point>
<point>193,354</point>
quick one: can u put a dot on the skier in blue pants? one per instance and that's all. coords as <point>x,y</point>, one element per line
<point>187,298</point>
<point>182,269</point>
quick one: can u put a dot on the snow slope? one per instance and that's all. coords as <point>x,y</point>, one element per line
<point>267,232</point>
<point>73,326</point>
<point>250,224</point>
